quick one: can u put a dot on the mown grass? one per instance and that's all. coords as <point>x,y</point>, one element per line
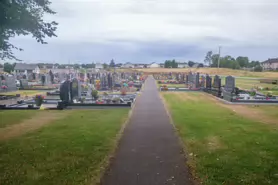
<point>224,148</point>
<point>69,151</point>
<point>271,111</point>
<point>8,118</point>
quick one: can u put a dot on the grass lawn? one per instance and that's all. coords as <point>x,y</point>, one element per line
<point>24,93</point>
<point>8,118</point>
<point>224,148</point>
<point>72,150</point>
<point>271,111</point>
<point>250,83</point>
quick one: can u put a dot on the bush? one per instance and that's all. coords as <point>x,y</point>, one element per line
<point>258,68</point>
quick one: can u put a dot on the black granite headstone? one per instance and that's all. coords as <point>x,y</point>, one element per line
<point>65,91</point>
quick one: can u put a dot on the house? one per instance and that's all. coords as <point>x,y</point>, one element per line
<point>161,65</point>
<point>270,64</point>
<point>26,68</point>
<point>128,65</point>
<point>99,66</point>
<point>154,65</point>
<point>182,65</point>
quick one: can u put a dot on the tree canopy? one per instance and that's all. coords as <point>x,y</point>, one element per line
<point>24,17</point>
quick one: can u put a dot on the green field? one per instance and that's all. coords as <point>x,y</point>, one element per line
<point>73,150</point>
<point>223,147</point>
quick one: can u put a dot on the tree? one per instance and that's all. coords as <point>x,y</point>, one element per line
<point>214,59</point>
<point>167,64</point>
<point>208,58</point>
<point>105,66</point>
<point>24,17</point>
<point>258,68</point>
<point>191,63</point>
<point>8,67</point>
<point>112,63</point>
<point>254,64</point>
<point>76,66</point>
<point>243,61</point>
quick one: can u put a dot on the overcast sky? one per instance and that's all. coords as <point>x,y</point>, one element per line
<point>144,31</point>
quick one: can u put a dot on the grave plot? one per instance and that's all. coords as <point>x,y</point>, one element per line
<point>228,92</point>
<point>74,94</point>
<point>190,82</point>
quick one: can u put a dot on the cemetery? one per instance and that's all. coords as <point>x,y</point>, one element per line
<point>96,90</point>
<point>226,92</point>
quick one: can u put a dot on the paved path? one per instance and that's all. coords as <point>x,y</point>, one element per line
<point>149,152</point>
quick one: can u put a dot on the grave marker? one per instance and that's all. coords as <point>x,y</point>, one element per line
<point>75,89</point>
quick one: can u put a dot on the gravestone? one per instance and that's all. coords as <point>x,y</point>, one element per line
<point>65,91</point>
<point>203,82</point>
<point>196,80</point>
<point>186,79</point>
<point>216,91</point>
<point>9,82</point>
<point>229,90</point>
<point>23,83</point>
<point>230,84</point>
<point>43,79</point>
<point>208,82</point>
<point>75,89</point>
<point>110,81</point>
<point>89,91</point>
<point>51,77</point>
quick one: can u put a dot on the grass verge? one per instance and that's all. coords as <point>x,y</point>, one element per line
<point>8,118</point>
<point>223,147</point>
<point>271,111</point>
<point>72,150</point>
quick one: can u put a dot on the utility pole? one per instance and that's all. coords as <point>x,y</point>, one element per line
<point>219,56</point>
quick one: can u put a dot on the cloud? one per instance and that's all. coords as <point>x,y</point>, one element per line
<point>158,29</point>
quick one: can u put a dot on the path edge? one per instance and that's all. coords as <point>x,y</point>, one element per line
<point>192,174</point>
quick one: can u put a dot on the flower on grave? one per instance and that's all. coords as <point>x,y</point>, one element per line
<point>39,99</point>
<point>269,94</point>
<point>252,93</point>
<point>4,87</point>
<point>95,94</point>
<point>123,91</point>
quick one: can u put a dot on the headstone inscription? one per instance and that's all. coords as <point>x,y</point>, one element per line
<point>75,89</point>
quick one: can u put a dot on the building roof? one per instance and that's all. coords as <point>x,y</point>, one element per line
<point>21,66</point>
<point>271,60</point>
